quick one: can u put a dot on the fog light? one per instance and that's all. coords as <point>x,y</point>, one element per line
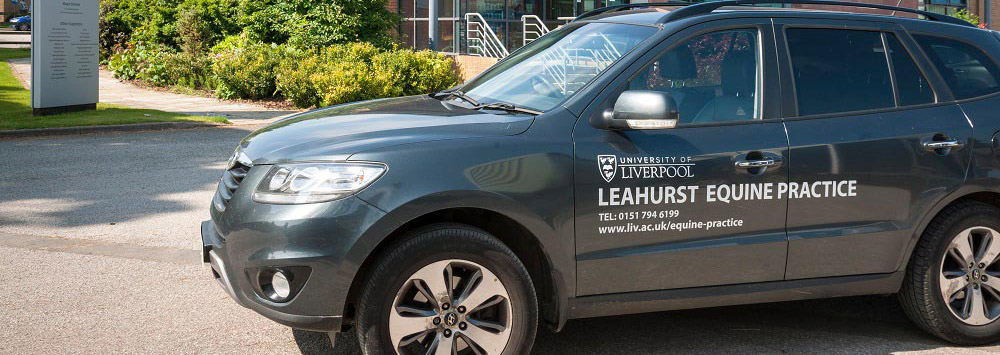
<point>280,286</point>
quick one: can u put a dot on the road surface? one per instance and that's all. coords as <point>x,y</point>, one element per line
<point>98,248</point>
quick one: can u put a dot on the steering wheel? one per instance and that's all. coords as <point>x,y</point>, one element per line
<point>544,87</point>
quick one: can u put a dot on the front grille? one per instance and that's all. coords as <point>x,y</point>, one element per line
<point>230,181</point>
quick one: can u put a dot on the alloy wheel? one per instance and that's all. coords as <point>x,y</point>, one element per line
<point>970,277</point>
<point>451,307</point>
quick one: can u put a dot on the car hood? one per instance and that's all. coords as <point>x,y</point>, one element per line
<point>19,19</point>
<point>336,133</point>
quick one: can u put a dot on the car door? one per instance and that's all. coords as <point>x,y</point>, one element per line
<point>863,121</point>
<point>694,205</point>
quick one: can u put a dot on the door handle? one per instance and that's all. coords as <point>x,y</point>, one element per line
<point>935,145</point>
<point>756,162</point>
<point>748,164</point>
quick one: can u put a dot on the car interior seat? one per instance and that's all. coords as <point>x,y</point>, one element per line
<point>739,82</point>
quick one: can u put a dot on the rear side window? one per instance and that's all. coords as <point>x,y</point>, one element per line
<point>911,84</point>
<point>839,70</point>
<point>967,69</point>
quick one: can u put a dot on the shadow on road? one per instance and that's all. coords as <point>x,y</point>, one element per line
<point>854,325</point>
<point>70,182</point>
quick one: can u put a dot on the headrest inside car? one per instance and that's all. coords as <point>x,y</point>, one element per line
<point>678,64</point>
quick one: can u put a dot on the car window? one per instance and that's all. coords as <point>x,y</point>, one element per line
<point>839,70</point>
<point>966,69</point>
<point>552,68</point>
<point>711,77</point>
<point>911,84</point>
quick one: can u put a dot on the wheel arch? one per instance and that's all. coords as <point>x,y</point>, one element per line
<point>547,277</point>
<point>989,195</point>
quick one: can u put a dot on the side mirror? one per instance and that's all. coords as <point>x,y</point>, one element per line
<point>639,109</point>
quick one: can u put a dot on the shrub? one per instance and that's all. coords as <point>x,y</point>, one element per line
<point>320,23</point>
<point>262,20</point>
<point>293,78</point>
<point>141,62</point>
<point>405,72</point>
<point>969,17</point>
<point>344,82</point>
<point>328,76</point>
<point>360,71</point>
<point>190,70</point>
<point>357,52</point>
<point>203,23</point>
<point>245,69</point>
<point>162,22</point>
<point>149,21</point>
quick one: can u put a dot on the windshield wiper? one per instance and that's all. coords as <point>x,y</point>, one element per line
<point>509,107</point>
<point>458,94</point>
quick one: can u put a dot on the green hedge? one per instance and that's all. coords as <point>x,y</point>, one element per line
<point>310,52</point>
<point>301,23</point>
<point>244,69</point>
<point>241,68</point>
<point>142,62</point>
<point>360,71</point>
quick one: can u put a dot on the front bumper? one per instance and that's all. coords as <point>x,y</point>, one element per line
<point>327,242</point>
<point>212,249</point>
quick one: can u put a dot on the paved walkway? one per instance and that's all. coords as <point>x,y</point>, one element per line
<point>116,92</point>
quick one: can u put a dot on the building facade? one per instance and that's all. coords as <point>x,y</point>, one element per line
<point>988,11</point>
<point>504,17</point>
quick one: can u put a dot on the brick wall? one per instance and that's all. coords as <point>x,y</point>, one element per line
<point>470,65</point>
<point>8,10</point>
<point>978,8</point>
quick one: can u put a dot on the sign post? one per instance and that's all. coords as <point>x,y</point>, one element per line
<point>64,56</point>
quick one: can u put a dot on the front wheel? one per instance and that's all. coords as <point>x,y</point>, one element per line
<point>23,28</point>
<point>448,289</point>
<point>952,284</point>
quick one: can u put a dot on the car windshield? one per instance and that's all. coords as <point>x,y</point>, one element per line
<point>553,67</point>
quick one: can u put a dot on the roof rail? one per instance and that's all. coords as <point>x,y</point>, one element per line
<point>695,8</point>
<point>625,7</point>
<point>708,7</point>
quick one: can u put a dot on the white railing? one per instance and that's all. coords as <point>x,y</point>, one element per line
<point>532,27</point>
<point>570,69</point>
<point>480,38</point>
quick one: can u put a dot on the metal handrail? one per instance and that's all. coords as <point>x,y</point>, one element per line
<point>538,28</point>
<point>480,36</point>
<point>560,65</point>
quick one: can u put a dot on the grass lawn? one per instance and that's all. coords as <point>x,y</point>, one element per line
<point>15,107</point>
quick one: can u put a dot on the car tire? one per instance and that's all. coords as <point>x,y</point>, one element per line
<point>23,28</point>
<point>481,268</point>
<point>936,261</point>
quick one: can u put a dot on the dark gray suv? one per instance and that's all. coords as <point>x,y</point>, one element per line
<point>642,158</point>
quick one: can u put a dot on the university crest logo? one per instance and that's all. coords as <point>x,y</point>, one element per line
<point>607,164</point>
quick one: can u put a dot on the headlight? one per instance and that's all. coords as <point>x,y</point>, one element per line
<point>315,182</point>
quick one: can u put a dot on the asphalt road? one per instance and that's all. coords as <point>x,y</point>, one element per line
<point>98,254</point>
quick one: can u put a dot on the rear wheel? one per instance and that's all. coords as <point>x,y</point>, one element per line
<point>448,289</point>
<point>23,27</point>
<point>952,285</point>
